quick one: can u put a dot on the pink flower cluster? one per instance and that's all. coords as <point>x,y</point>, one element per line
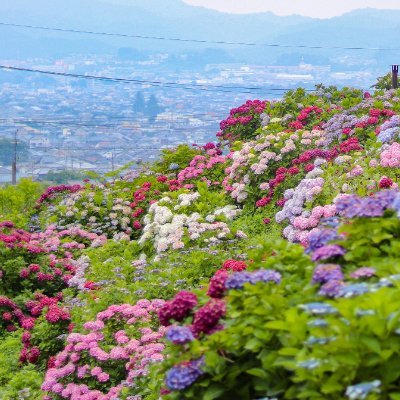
<point>391,156</point>
<point>86,368</point>
<point>178,308</point>
<point>199,165</point>
<point>53,190</point>
<point>301,120</point>
<point>234,265</point>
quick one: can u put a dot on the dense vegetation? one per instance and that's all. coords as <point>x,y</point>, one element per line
<point>263,266</point>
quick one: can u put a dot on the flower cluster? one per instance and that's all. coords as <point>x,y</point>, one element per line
<point>86,368</point>
<point>242,122</point>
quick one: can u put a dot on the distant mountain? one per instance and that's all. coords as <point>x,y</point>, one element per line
<point>366,28</point>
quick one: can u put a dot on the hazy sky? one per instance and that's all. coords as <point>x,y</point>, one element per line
<point>312,8</point>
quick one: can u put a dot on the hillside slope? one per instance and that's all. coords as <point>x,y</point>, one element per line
<point>262,266</point>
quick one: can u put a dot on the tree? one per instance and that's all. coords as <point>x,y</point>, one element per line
<point>153,108</point>
<point>7,151</point>
<point>139,106</point>
<point>383,82</point>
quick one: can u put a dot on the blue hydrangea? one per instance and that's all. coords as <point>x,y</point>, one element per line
<point>179,335</point>
<point>184,375</point>
<point>309,364</point>
<point>318,323</point>
<point>313,340</point>
<point>363,390</point>
<point>388,135</point>
<point>173,166</point>
<point>356,289</point>
<point>318,308</point>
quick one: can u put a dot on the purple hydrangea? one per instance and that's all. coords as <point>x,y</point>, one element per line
<point>328,251</point>
<point>331,288</point>
<point>326,272</point>
<point>364,272</point>
<point>184,375</point>
<point>179,335</point>
<point>319,238</point>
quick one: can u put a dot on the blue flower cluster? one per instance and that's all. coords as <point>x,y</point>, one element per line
<point>184,375</point>
<point>363,390</point>
<point>238,279</point>
<point>179,335</point>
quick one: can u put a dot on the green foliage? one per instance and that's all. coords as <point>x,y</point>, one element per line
<point>181,155</point>
<point>65,176</point>
<point>383,82</point>
<point>17,382</point>
<point>17,202</point>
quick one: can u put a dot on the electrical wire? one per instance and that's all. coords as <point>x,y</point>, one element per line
<point>175,85</point>
<point>220,42</point>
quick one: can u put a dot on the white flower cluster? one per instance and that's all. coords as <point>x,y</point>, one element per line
<point>186,199</point>
<point>167,230</point>
<point>111,215</point>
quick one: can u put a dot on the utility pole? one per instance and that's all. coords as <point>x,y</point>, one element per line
<point>14,163</point>
<point>395,73</point>
<point>112,160</point>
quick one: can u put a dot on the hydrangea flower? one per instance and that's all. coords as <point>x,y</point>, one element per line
<point>363,390</point>
<point>179,334</point>
<point>184,375</point>
<point>328,251</point>
<point>326,272</point>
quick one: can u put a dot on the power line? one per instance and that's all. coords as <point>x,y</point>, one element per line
<point>175,85</point>
<point>100,149</point>
<point>200,41</point>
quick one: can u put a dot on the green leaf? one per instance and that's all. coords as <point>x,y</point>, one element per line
<point>257,372</point>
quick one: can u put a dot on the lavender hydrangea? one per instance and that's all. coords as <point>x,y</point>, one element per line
<point>179,335</point>
<point>238,279</point>
<point>184,375</point>
<point>390,129</point>
<point>264,275</point>
<point>363,272</point>
<point>373,206</point>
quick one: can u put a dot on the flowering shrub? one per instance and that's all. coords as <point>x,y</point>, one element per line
<point>102,360</point>
<point>242,122</point>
